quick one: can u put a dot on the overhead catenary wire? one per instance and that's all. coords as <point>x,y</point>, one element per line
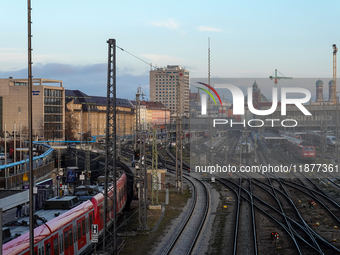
<point>151,65</point>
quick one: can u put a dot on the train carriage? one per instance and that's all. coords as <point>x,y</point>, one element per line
<point>69,232</point>
<point>300,148</point>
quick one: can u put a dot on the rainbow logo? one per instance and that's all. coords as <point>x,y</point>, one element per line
<point>207,91</point>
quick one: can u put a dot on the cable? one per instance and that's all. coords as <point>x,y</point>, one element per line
<point>153,65</point>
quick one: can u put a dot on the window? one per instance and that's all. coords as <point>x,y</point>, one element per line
<point>70,237</point>
<point>55,246</point>
<point>79,230</point>
<point>65,240</point>
<point>83,227</point>
<point>48,249</point>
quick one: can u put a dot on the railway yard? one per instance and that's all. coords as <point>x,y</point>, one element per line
<point>259,211</point>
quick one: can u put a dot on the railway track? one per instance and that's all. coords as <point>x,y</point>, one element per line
<point>184,239</point>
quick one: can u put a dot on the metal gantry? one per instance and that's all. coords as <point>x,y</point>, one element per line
<point>140,166</point>
<point>179,147</point>
<point>30,129</point>
<point>110,151</point>
<point>154,171</point>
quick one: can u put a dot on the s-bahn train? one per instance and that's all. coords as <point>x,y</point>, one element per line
<point>299,148</point>
<point>68,231</point>
<point>316,136</point>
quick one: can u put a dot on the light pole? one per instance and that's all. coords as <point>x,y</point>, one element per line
<point>59,172</point>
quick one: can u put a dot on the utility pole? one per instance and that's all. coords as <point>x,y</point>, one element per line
<point>154,171</point>
<point>140,167</point>
<point>323,135</point>
<point>110,150</point>
<point>30,129</point>
<point>179,169</point>
<point>336,150</point>
<point>119,137</point>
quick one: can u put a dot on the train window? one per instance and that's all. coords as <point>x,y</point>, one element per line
<point>65,240</point>
<point>90,219</point>
<point>61,245</point>
<point>79,230</point>
<point>42,250</point>
<point>87,224</point>
<point>75,233</point>
<point>83,227</point>
<point>35,253</point>
<point>55,246</point>
<point>70,237</point>
<point>48,249</point>
<point>39,251</point>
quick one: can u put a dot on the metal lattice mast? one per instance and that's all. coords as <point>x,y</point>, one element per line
<point>154,172</point>
<point>323,134</point>
<point>30,128</point>
<point>140,166</point>
<point>110,150</point>
<point>119,138</point>
<point>179,170</point>
<point>87,162</point>
<point>210,135</point>
<point>336,151</point>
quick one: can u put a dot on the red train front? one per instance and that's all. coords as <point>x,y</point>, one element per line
<point>70,232</point>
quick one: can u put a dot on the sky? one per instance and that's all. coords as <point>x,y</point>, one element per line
<point>248,39</point>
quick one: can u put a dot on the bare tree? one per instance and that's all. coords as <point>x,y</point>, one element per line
<point>71,124</point>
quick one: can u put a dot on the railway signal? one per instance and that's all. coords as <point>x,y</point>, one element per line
<point>274,235</point>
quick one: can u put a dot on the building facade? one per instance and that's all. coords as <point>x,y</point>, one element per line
<point>48,107</point>
<point>163,87</point>
<point>89,114</point>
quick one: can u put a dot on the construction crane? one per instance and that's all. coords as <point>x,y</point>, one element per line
<point>335,49</point>
<point>278,78</point>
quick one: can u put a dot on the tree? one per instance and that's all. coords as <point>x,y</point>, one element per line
<point>71,124</point>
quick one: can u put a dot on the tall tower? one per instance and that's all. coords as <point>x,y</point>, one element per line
<point>319,91</point>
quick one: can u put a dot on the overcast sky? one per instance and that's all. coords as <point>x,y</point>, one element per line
<point>248,39</point>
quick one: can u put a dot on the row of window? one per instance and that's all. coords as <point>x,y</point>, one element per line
<point>53,93</point>
<point>53,126</point>
<point>53,109</point>
<point>53,118</point>
<point>53,101</point>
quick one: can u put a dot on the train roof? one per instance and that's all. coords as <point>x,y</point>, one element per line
<point>52,223</point>
<point>271,136</point>
<point>297,141</point>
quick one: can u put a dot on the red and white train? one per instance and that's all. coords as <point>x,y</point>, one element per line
<point>299,148</point>
<point>70,232</point>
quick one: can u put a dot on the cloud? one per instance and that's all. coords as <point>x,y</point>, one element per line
<point>90,79</point>
<point>170,23</point>
<point>163,60</point>
<point>210,29</point>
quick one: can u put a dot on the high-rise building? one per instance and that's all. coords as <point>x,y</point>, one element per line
<point>163,87</point>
